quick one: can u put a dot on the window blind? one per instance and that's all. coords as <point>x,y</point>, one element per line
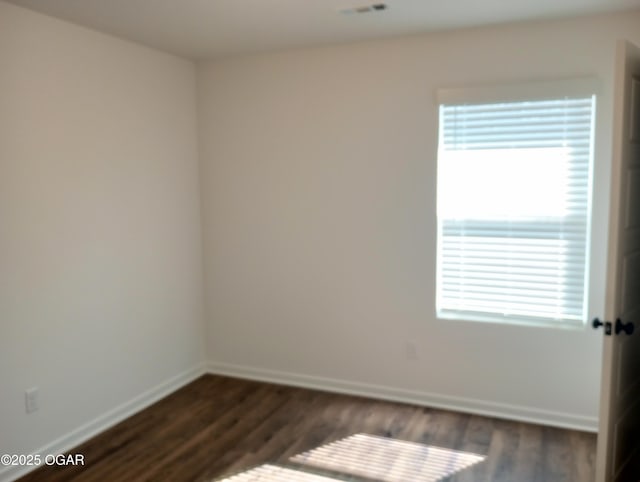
<point>513,209</point>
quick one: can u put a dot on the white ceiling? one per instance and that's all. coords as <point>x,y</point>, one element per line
<point>216,28</point>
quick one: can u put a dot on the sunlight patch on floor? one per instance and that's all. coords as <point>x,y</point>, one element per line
<point>388,460</point>
<point>274,473</point>
<point>366,456</point>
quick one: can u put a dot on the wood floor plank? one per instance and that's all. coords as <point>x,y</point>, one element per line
<point>219,426</point>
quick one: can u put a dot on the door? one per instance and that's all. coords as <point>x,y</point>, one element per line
<point>618,457</point>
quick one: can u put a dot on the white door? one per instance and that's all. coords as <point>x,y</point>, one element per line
<point>618,458</point>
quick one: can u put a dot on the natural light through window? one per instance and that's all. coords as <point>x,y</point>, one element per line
<point>276,473</point>
<point>513,206</point>
<point>504,183</point>
<point>365,457</point>
<point>386,459</point>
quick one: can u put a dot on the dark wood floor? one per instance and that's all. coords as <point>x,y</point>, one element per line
<point>218,426</point>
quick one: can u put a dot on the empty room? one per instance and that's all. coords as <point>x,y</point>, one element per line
<point>319,240</point>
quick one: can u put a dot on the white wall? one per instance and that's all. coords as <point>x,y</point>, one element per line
<point>100,240</point>
<point>318,176</point>
<point>319,218</point>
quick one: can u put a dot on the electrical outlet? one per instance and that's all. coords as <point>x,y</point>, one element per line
<point>31,400</point>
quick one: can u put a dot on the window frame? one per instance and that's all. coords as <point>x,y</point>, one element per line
<point>578,88</point>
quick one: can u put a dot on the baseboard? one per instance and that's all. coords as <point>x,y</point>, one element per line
<point>446,402</point>
<point>107,420</point>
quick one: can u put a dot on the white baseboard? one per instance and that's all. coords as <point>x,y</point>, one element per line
<point>446,402</point>
<point>107,420</point>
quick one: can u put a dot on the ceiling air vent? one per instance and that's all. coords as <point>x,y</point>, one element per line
<point>374,7</point>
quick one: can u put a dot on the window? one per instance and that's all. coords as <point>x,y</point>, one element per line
<point>514,182</point>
